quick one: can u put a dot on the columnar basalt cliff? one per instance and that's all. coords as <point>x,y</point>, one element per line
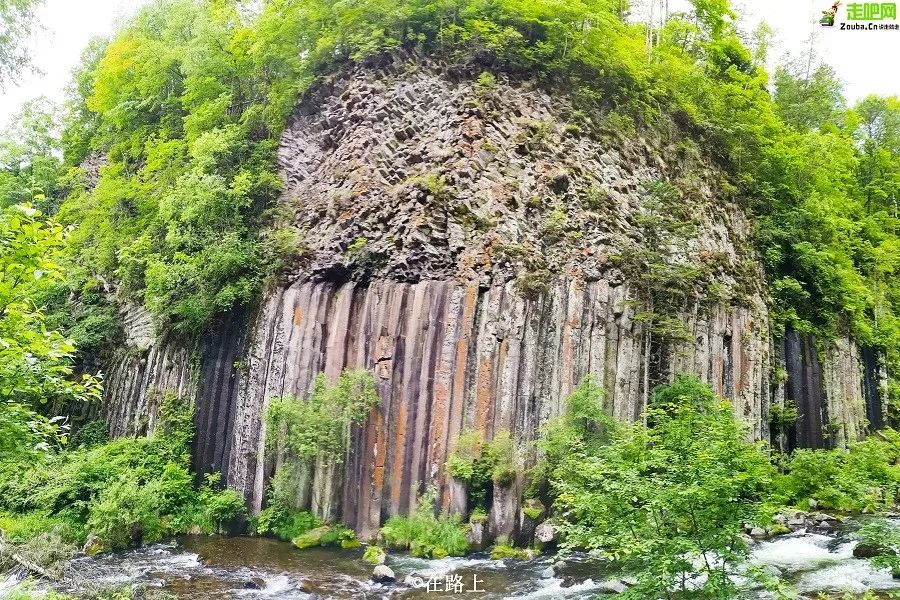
<point>482,247</point>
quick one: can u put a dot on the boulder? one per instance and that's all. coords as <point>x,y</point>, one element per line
<point>544,533</point>
<point>612,586</point>
<point>375,555</point>
<point>770,570</point>
<point>864,550</point>
<point>93,545</point>
<point>254,583</point>
<point>475,536</point>
<point>311,538</point>
<point>383,574</point>
<point>757,532</point>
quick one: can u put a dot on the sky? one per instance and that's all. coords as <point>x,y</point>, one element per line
<point>67,25</point>
<point>865,61</point>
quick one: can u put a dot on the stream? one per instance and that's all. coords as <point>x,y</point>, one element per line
<point>258,568</point>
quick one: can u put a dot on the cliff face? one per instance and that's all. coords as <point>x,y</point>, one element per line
<point>474,243</point>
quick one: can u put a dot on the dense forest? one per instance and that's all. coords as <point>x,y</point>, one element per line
<point>154,185</point>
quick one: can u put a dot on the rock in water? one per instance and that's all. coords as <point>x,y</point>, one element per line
<point>864,550</point>
<point>544,533</point>
<point>311,538</point>
<point>375,555</point>
<point>254,583</point>
<point>383,574</point>
<point>612,586</point>
<point>93,545</point>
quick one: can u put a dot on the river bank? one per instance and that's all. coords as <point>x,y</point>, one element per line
<point>200,567</point>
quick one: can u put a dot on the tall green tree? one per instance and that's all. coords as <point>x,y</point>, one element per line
<point>30,161</point>
<point>666,501</point>
<point>35,363</point>
<point>17,22</point>
<point>807,95</point>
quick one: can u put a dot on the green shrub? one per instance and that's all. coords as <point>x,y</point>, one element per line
<point>320,423</point>
<point>21,527</point>
<point>425,535</point>
<point>124,491</point>
<point>219,510</point>
<point>126,512</point>
<point>655,497</point>
<point>90,434</point>
<point>25,591</point>
<point>503,549</point>
<point>866,475</point>
<point>374,555</point>
<point>283,523</point>
<point>482,465</point>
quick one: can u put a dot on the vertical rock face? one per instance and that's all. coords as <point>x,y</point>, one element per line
<point>447,358</point>
<point>834,386</point>
<point>481,255</point>
<point>138,379</point>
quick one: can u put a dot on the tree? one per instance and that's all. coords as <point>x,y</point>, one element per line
<point>35,368</point>
<point>30,166</point>
<point>807,98</point>
<point>878,132</point>
<point>16,24</point>
<point>666,501</point>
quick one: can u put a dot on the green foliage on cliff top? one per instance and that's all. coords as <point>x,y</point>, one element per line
<point>187,102</point>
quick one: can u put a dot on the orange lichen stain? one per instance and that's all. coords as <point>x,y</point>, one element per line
<point>484,391</point>
<point>399,447</point>
<point>462,345</point>
<point>298,316</point>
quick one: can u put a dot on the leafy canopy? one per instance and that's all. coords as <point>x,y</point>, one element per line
<point>35,362</point>
<point>666,501</point>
